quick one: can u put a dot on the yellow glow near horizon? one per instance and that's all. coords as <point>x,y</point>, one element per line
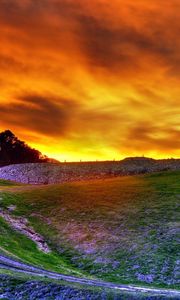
<point>92,80</point>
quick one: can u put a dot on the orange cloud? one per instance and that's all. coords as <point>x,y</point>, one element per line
<point>91,79</point>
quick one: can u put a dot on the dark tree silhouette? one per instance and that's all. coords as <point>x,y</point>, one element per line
<point>14,151</point>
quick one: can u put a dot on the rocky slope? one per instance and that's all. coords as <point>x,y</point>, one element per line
<point>49,173</point>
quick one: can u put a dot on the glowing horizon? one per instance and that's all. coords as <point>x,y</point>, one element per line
<point>92,80</point>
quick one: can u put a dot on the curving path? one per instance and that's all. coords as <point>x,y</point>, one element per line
<point>17,266</point>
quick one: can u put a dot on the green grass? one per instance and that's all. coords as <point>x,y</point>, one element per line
<point>25,249</point>
<point>122,229</point>
<point>7,183</point>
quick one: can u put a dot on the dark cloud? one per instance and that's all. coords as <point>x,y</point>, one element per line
<point>100,42</point>
<point>9,63</point>
<point>40,114</point>
<point>102,46</point>
<point>125,46</point>
<point>145,136</point>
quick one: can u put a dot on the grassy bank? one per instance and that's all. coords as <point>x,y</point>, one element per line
<point>122,229</point>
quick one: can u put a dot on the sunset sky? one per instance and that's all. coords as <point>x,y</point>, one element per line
<point>92,79</point>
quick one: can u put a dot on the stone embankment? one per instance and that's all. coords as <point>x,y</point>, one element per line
<point>49,173</point>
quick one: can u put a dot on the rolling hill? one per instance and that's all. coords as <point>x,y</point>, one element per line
<point>122,230</point>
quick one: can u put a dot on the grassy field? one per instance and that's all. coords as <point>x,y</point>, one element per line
<point>123,229</point>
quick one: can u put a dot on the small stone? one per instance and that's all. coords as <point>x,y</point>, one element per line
<point>11,207</point>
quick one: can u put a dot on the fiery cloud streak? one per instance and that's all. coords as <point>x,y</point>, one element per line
<point>92,79</point>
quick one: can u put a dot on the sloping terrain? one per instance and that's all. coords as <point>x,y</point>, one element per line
<point>122,230</point>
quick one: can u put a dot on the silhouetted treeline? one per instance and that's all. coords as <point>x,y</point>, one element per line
<point>14,151</point>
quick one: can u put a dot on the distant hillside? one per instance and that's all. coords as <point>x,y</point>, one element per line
<point>15,151</point>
